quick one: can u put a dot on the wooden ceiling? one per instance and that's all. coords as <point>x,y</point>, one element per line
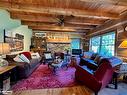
<point>64,15</point>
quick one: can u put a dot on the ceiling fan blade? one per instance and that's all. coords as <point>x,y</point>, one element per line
<point>61,19</point>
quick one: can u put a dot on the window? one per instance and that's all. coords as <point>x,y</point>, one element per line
<point>95,44</point>
<point>75,43</point>
<point>104,44</point>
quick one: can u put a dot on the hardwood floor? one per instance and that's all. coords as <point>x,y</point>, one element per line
<point>77,90</point>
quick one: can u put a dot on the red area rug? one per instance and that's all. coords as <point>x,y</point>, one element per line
<point>43,77</point>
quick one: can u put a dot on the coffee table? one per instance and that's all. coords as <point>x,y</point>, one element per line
<point>55,65</point>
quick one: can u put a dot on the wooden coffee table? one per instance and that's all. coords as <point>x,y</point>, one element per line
<point>55,66</point>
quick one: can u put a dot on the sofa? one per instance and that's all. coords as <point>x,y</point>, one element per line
<point>24,69</point>
<point>96,74</point>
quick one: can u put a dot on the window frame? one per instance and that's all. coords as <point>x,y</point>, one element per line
<point>101,36</point>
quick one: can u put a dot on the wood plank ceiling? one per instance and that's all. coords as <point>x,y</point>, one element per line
<point>64,15</point>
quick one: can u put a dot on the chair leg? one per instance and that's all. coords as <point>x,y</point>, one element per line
<point>96,93</point>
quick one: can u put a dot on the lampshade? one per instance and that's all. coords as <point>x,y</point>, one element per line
<point>123,44</point>
<point>4,48</point>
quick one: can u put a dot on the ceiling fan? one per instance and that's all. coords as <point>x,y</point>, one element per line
<point>61,19</point>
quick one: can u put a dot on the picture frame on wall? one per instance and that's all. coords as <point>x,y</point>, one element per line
<point>37,34</point>
<point>15,40</point>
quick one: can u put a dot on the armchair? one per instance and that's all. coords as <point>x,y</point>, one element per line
<point>48,58</point>
<point>95,80</point>
<point>60,54</point>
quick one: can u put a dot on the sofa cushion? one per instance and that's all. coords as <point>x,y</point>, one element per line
<point>34,62</point>
<point>24,58</point>
<point>89,63</point>
<point>97,59</point>
<point>87,54</point>
<point>93,56</point>
<point>27,54</point>
<point>87,69</point>
<point>18,59</point>
<point>21,58</point>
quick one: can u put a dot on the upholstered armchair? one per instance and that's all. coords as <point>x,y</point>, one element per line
<point>95,80</point>
<point>60,54</point>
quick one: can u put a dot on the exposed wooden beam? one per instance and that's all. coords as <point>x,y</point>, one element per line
<point>52,19</point>
<point>77,32</point>
<point>84,23</point>
<point>31,17</point>
<point>41,29</point>
<point>52,29</point>
<point>59,27</point>
<point>60,11</point>
<point>73,26</point>
<point>113,2</point>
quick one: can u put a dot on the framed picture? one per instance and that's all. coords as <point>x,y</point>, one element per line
<point>40,34</point>
<point>15,40</point>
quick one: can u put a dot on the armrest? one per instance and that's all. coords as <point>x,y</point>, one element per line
<point>83,61</point>
<point>23,64</point>
<point>87,78</point>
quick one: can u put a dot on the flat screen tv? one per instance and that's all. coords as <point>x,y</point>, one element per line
<point>76,51</point>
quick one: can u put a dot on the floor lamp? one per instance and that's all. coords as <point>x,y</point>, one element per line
<point>123,44</point>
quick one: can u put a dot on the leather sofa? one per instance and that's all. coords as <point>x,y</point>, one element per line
<point>24,69</point>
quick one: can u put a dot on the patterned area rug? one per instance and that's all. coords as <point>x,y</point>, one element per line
<point>43,77</point>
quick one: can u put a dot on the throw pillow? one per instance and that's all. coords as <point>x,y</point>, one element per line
<point>17,59</point>
<point>24,58</point>
<point>35,55</point>
<point>88,54</point>
<point>27,54</point>
<point>85,56</point>
<point>97,59</point>
<point>93,56</point>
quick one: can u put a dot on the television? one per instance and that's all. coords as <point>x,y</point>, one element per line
<point>76,51</point>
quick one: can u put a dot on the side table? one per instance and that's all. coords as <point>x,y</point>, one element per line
<point>5,73</point>
<point>122,71</point>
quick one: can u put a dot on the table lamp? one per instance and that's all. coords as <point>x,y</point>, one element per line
<point>4,49</point>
